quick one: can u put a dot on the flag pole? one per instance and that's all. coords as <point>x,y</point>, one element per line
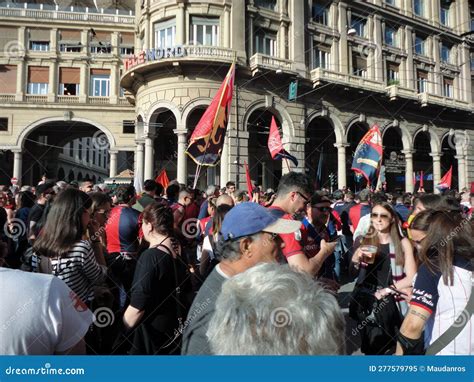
<point>287,164</point>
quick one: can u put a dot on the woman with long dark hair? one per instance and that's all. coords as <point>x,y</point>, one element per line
<point>443,284</point>
<point>63,241</point>
<point>155,303</point>
<point>385,260</point>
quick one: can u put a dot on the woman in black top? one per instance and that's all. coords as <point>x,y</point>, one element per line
<point>155,303</point>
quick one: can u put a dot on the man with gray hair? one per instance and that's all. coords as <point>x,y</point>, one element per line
<point>249,235</point>
<point>273,310</point>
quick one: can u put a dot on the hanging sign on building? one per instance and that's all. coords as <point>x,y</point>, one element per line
<point>395,164</point>
<point>149,55</point>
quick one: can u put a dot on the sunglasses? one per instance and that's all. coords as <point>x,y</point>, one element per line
<point>306,200</point>
<point>374,215</point>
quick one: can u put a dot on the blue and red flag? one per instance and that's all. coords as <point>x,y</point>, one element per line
<point>445,181</point>
<point>276,146</point>
<point>368,156</point>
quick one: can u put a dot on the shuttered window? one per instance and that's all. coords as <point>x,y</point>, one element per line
<point>8,79</point>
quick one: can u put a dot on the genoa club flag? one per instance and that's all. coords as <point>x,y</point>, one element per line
<point>206,143</point>
<point>445,181</point>
<point>162,179</point>
<point>368,155</point>
<point>276,146</point>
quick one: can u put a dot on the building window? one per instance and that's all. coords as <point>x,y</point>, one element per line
<point>205,31</point>
<point>444,15</point>
<point>69,48</point>
<point>100,85</point>
<point>165,34</point>
<point>128,127</point>
<point>320,12</point>
<point>359,24</point>
<point>448,87</point>
<point>359,66</point>
<point>422,82</point>
<point>390,2</point>
<point>79,149</point>
<point>39,46</point>
<point>265,44</point>
<point>87,150</point>
<point>3,124</point>
<point>71,149</point>
<point>419,45</point>
<point>393,77</point>
<point>445,54</point>
<point>69,89</point>
<point>37,88</point>
<point>320,58</point>
<point>418,7</point>
<point>472,63</point>
<point>126,50</point>
<point>268,4</point>
<point>100,49</point>
<point>391,36</point>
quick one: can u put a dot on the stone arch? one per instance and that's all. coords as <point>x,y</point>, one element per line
<point>163,105</point>
<point>286,124</point>
<point>191,106</point>
<point>61,174</point>
<point>28,129</point>
<point>334,120</point>
<point>435,142</point>
<point>402,130</point>
<point>71,176</point>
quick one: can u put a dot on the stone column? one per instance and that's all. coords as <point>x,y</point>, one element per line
<point>180,23</point>
<point>251,41</point>
<point>343,48</point>
<point>378,41</point>
<point>341,164</point>
<point>139,159</point>
<point>20,80</point>
<point>53,44</point>
<point>84,83</point>
<point>465,75</point>
<point>461,171</point>
<point>297,36</point>
<point>17,166</point>
<point>436,86</point>
<point>410,68</point>
<point>225,159</point>
<point>149,160</point>
<point>282,40</point>
<point>114,84</point>
<point>436,170</point>
<point>227,31</point>
<point>53,83</point>
<point>182,158</point>
<point>409,187</point>
<point>113,163</point>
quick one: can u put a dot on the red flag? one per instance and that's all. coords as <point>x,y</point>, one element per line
<point>162,179</point>
<point>445,181</point>
<point>274,140</point>
<point>368,155</point>
<point>249,180</point>
<point>421,180</point>
<point>206,142</point>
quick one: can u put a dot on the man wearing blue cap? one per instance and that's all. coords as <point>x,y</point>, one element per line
<point>249,236</point>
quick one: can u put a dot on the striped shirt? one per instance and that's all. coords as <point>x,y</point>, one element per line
<point>79,270</point>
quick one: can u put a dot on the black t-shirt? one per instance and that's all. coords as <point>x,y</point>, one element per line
<point>36,212</point>
<point>153,291</point>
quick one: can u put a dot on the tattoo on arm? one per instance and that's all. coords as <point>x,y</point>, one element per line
<point>418,314</point>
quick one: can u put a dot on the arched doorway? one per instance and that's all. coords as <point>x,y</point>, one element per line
<point>79,176</point>
<point>264,171</point>
<point>355,133</point>
<point>70,176</point>
<point>165,143</point>
<point>393,160</point>
<point>422,161</point>
<point>50,147</point>
<point>448,159</point>
<point>320,153</point>
<point>6,166</point>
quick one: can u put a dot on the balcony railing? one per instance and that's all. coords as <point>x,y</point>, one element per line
<point>99,100</point>
<point>197,51</point>
<point>36,98</point>
<point>320,75</point>
<point>269,62</point>
<point>396,91</point>
<point>68,99</point>
<point>7,98</point>
<point>45,12</point>
<point>428,98</point>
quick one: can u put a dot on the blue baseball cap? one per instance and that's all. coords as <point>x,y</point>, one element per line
<point>249,218</point>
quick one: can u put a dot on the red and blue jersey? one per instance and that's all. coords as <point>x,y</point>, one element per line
<point>356,213</point>
<point>122,230</point>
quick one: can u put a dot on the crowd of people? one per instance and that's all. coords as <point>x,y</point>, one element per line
<point>90,270</point>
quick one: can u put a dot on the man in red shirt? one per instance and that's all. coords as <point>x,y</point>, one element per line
<point>293,196</point>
